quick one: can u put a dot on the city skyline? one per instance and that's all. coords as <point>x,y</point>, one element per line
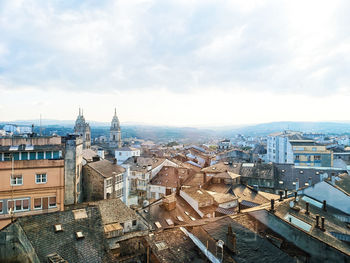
<point>187,63</point>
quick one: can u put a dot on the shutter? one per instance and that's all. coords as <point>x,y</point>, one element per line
<point>26,204</point>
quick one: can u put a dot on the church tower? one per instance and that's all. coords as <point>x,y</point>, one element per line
<point>115,138</point>
<point>83,128</point>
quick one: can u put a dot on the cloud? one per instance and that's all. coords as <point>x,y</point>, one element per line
<point>100,46</point>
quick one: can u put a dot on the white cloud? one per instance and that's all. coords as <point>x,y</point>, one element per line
<point>187,48</point>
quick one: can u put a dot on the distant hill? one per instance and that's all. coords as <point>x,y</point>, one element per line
<point>321,127</point>
<point>168,133</point>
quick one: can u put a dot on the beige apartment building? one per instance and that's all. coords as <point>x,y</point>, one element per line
<point>31,177</point>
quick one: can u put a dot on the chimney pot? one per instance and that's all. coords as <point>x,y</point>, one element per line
<point>322,224</point>
<point>285,193</point>
<point>324,207</point>
<point>317,221</point>
<point>281,195</point>
<point>272,206</point>
<point>307,208</point>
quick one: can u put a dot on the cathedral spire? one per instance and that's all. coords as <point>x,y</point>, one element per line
<point>115,111</point>
<point>79,111</point>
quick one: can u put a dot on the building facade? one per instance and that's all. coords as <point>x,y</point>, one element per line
<point>83,128</point>
<point>309,153</point>
<point>124,153</point>
<point>31,176</point>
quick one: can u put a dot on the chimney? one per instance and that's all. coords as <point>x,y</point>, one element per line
<point>231,239</point>
<point>324,207</point>
<point>317,221</point>
<point>307,208</point>
<point>310,181</point>
<point>281,195</point>
<point>295,196</point>
<point>272,209</point>
<point>322,224</point>
<point>114,160</point>
<point>297,184</point>
<point>285,193</point>
<point>239,207</point>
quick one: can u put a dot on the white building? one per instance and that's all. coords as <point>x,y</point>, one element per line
<point>122,154</point>
<point>279,148</point>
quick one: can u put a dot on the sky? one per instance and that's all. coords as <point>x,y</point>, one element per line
<point>176,63</point>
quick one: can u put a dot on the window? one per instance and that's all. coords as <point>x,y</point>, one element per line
<point>32,155</point>
<point>24,156</point>
<point>134,222</point>
<point>317,157</point>
<point>38,203</point>
<point>40,155</point>
<point>18,205</point>
<point>1,211</point>
<point>48,155</point>
<point>314,148</point>
<point>40,179</point>
<point>120,153</point>
<point>16,156</point>
<point>297,157</point>
<point>109,182</point>
<point>56,155</point>
<point>52,201</point>
<point>16,180</point>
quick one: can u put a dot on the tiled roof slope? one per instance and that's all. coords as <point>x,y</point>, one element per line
<point>40,232</point>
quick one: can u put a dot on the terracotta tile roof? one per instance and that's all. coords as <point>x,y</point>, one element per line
<point>106,168</point>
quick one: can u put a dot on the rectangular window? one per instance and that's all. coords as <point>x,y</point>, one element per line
<point>297,157</point>
<point>16,179</point>
<point>52,201</point>
<point>16,156</point>
<point>40,155</point>
<point>1,211</point>
<point>7,157</point>
<point>134,222</point>
<point>48,155</point>
<point>38,203</point>
<point>18,205</point>
<point>32,155</point>
<point>109,182</point>
<point>40,179</point>
<point>56,155</point>
<point>317,157</point>
<point>24,156</point>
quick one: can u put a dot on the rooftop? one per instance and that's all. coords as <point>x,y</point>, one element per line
<point>106,168</point>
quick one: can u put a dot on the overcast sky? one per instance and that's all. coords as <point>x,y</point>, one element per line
<point>181,62</point>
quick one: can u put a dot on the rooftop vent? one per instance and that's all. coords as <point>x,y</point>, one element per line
<point>79,214</point>
<point>79,235</point>
<point>301,171</point>
<point>58,228</point>
<point>317,172</point>
<point>55,258</point>
<point>283,170</point>
<point>280,182</point>
<point>161,245</point>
